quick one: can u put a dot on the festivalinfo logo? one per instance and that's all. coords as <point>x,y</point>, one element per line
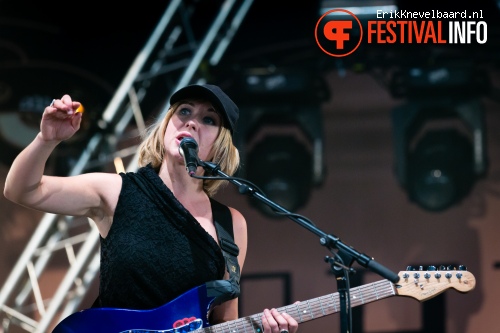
<point>339,32</point>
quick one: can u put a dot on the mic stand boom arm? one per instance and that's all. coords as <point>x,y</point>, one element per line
<point>345,255</point>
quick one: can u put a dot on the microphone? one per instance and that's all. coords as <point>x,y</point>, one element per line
<point>188,148</point>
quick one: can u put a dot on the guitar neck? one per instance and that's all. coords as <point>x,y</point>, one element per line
<point>311,309</point>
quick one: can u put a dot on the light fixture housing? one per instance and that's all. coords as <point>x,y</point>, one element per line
<point>440,169</point>
<point>281,167</point>
<point>440,150</point>
<point>280,133</point>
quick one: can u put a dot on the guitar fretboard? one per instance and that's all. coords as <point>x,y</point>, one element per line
<point>311,309</point>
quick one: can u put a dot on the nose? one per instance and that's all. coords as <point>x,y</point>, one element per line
<point>191,123</point>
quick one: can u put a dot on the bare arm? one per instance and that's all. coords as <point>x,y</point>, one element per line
<point>85,195</point>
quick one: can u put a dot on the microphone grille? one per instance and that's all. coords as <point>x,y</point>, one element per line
<point>189,143</point>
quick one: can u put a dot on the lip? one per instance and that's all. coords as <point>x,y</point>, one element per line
<point>183,135</point>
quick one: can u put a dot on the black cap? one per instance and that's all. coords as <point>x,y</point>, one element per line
<point>215,95</point>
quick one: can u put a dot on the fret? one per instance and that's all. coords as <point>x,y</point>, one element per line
<point>359,290</point>
<point>294,311</point>
<point>232,327</point>
<point>304,313</point>
<point>310,311</point>
<point>334,301</point>
<point>385,288</point>
<point>255,323</point>
<point>377,297</point>
<point>221,328</point>
<point>240,326</point>
<point>250,324</point>
<point>323,313</point>
<point>367,293</point>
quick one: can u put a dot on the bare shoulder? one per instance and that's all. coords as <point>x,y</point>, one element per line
<point>100,182</point>
<point>105,179</point>
<point>107,185</point>
<point>239,220</point>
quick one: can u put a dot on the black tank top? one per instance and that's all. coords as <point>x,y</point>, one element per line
<point>148,259</point>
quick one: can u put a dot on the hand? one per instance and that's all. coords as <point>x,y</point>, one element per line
<point>60,121</point>
<point>275,322</point>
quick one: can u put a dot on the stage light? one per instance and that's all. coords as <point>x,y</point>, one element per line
<point>440,150</point>
<point>282,168</point>
<point>283,153</point>
<point>440,169</point>
<point>280,133</point>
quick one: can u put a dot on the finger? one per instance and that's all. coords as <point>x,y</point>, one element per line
<point>78,107</point>
<point>66,99</point>
<point>293,325</point>
<point>76,120</point>
<point>280,320</point>
<point>265,324</point>
<point>63,110</point>
<point>67,104</point>
<point>269,322</point>
<point>57,105</point>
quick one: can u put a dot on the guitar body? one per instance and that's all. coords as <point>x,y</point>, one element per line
<point>184,314</point>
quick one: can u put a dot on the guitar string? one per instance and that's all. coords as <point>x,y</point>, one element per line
<point>311,309</point>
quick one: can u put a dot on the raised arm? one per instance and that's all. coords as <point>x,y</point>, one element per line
<point>92,195</point>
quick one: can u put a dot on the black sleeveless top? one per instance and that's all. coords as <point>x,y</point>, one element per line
<point>148,258</point>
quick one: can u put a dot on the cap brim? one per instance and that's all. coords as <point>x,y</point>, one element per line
<point>196,91</point>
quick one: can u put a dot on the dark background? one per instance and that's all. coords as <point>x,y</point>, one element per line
<point>104,40</point>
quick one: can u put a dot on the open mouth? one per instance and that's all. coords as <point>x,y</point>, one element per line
<point>183,136</point>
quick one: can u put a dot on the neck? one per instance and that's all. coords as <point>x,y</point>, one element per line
<point>179,182</point>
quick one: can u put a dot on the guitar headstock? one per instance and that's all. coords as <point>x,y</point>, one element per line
<point>423,285</point>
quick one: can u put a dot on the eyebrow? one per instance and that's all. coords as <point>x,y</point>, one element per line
<point>210,109</point>
<point>192,104</point>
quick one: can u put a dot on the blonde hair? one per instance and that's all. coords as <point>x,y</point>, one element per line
<point>224,152</point>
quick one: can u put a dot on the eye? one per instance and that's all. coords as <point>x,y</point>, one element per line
<point>184,111</point>
<point>210,120</point>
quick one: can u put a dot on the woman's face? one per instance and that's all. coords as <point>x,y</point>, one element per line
<point>195,119</point>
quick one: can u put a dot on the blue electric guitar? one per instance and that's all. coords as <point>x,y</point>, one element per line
<point>190,311</point>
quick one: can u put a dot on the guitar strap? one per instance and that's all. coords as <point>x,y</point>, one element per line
<point>225,290</point>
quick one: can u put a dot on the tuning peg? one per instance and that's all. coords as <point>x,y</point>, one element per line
<point>431,268</point>
<point>462,268</point>
<point>442,267</point>
<point>451,268</point>
<point>410,268</point>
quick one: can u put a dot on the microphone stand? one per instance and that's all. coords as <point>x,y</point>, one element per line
<point>341,262</point>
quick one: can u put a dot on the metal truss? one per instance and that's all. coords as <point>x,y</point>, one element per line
<point>64,251</point>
